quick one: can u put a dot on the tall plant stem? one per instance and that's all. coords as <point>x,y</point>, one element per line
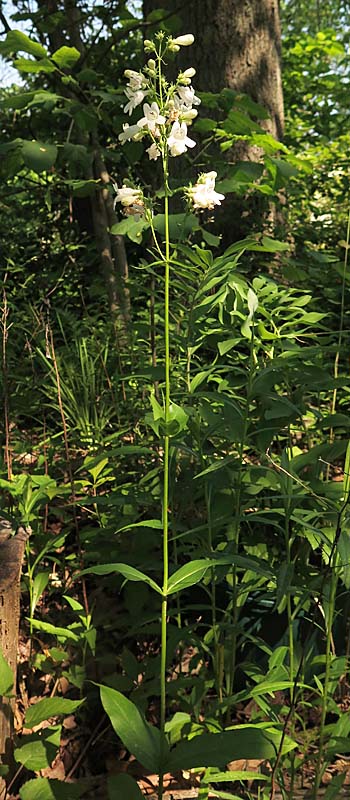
<point>235,536</point>
<point>341,329</point>
<point>163,646</point>
<point>329,624</point>
<point>5,329</point>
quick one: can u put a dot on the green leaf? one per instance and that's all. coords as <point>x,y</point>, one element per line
<point>130,573</point>
<point>217,749</point>
<point>210,238</point>
<point>18,41</point>
<point>188,575</point>
<point>180,225</point>
<point>252,302</point>
<point>39,585</point>
<point>50,789</point>
<point>66,57</point>
<point>47,627</point>
<point>269,245</point>
<point>50,707</point>
<point>39,156</point>
<point>20,100</point>
<point>123,787</point>
<point>344,556</point>
<point>138,736</point>
<point>28,65</point>
<point>130,227</point>
<point>234,775</point>
<point>155,524</point>
<point>6,676</point>
<point>39,749</point>
<point>239,123</point>
<point>346,482</point>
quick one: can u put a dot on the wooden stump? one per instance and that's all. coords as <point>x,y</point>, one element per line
<point>11,558</point>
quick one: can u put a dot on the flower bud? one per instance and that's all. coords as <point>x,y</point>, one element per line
<point>185,81</point>
<point>174,48</point>
<point>151,63</point>
<point>189,115</point>
<point>148,45</point>
<point>185,40</point>
<point>189,73</point>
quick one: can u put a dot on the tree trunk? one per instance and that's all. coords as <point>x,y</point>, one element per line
<point>11,557</point>
<point>110,250</point>
<point>237,46</point>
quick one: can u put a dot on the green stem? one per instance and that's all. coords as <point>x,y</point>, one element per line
<point>236,527</point>
<point>329,624</point>
<point>163,646</point>
<point>340,332</point>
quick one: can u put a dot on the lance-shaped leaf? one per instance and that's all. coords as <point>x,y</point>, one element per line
<point>138,736</point>
<point>130,573</point>
<point>6,676</point>
<point>50,707</point>
<point>188,575</point>
<point>217,749</point>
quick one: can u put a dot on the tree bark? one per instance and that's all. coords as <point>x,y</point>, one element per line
<point>11,557</point>
<point>110,250</point>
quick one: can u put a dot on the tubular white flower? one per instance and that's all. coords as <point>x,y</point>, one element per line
<point>136,79</point>
<point>178,141</point>
<point>134,99</point>
<point>184,41</point>
<point>152,117</point>
<point>203,194</point>
<point>153,152</point>
<point>187,96</point>
<point>130,132</point>
<point>127,196</point>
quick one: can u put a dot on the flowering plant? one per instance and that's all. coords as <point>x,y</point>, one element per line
<point>168,109</point>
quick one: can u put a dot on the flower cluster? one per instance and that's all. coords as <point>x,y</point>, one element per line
<point>167,111</point>
<point>131,200</point>
<point>203,194</point>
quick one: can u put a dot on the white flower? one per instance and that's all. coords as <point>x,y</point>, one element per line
<point>126,195</point>
<point>129,132</point>
<point>153,152</point>
<point>134,99</point>
<point>184,41</point>
<point>203,194</point>
<point>187,96</point>
<point>152,117</point>
<point>178,141</point>
<point>136,79</point>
